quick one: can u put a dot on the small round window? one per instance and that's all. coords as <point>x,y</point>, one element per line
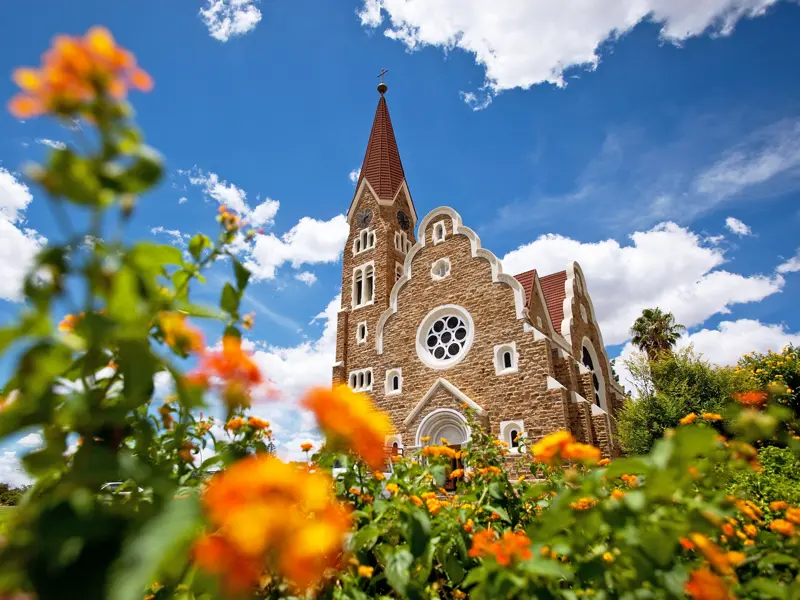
<point>444,337</point>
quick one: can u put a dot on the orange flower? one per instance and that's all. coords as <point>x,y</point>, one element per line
<point>355,491</point>
<point>392,488</point>
<point>469,526</point>
<point>686,544</point>
<point>279,516</point>
<point>735,558</point>
<point>581,452</point>
<point>754,398</point>
<point>782,526</point>
<point>365,571</point>
<point>490,469</point>
<point>617,494</point>
<point>416,500</point>
<point>608,557</point>
<point>512,545</point>
<point>712,417</point>
<point>185,453</point>
<point>457,473</point>
<point>180,335</point>
<point>74,72</point>
<point>583,504</point>
<point>215,554</point>
<point>705,585</point>
<point>778,505</point>
<point>603,462</point>
<point>351,420</point>
<point>437,451</point>
<point>306,446</point>
<point>631,480</point>
<point>712,553</point>
<point>234,367</point>
<point>166,415</point>
<point>750,530</point>
<point>70,322</point>
<point>551,446</point>
<point>793,515</point>
<point>258,423</point>
<point>749,509</point>
<point>690,418</point>
<point>235,424</point>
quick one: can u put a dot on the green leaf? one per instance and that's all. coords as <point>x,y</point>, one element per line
<point>163,543</point>
<point>7,337</point>
<point>398,570</point>
<point>635,500</point>
<point>122,304</point>
<point>658,546</point>
<point>144,172</point>
<point>365,538</point>
<point>500,511</point>
<point>197,244</point>
<point>152,257</point>
<point>420,531</point>
<point>767,588</point>
<point>547,568</point>
<point>73,177</point>
<point>138,366</point>
<point>242,274</point>
<point>229,301</point>
<point>776,558</point>
<point>453,568</point>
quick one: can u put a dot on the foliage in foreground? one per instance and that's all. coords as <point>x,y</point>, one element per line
<point>661,525</point>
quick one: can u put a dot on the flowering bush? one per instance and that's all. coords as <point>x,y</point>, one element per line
<point>777,371</point>
<point>551,520</point>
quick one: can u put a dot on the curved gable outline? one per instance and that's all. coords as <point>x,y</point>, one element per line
<point>574,270</point>
<point>365,184</point>
<point>477,252</point>
<point>441,382</point>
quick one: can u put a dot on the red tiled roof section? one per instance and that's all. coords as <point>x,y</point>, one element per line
<point>526,279</point>
<point>382,166</point>
<point>554,294</point>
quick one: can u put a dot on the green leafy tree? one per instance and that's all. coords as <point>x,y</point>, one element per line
<point>667,390</point>
<point>656,332</point>
<point>776,371</point>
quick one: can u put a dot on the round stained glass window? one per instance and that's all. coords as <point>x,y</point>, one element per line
<point>446,337</point>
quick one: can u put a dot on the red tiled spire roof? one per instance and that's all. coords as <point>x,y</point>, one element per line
<point>553,290</point>
<point>382,166</point>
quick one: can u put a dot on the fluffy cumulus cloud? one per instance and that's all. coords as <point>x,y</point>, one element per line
<point>306,277</point>
<point>725,344</point>
<point>309,242</point>
<point>230,18</point>
<point>667,266</point>
<point>521,43</point>
<point>354,175</point>
<point>235,198</point>
<point>176,237</point>
<point>32,440</point>
<point>736,226</point>
<point>11,470</point>
<point>790,266</point>
<point>18,244</point>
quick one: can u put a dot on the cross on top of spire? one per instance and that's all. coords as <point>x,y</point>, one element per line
<point>382,87</point>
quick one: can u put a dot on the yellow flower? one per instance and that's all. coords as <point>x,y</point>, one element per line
<point>750,530</point>
<point>235,424</point>
<point>617,494</point>
<point>351,420</point>
<point>258,423</point>
<point>365,571</point>
<point>392,488</point>
<point>583,504</point>
<point>457,473</point>
<point>444,442</point>
<point>180,335</point>
<point>712,417</point>
<point>551,446</point>
<point>778,505</point>
<point>459,595</point>
<point>608,557</point>
<point>793,515</point>
<point>69,322</point>
<point>781,526</point>
<point>426,438</point>
<point>379,476</point>
<point>690,418</point>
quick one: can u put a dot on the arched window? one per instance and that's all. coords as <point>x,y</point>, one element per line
<point>394,382</point>
<point>369,286</point>
<point>589,364</point>
<point>438,232</point>
<point>514,440</point>
<point>513,433</point>
<point>395,449</point>
<point>361,380</point>
<point>507,359</point>
<point>358,288</point>
<point>363,285</point>
<point>361,332</point>
<point>440,269</point>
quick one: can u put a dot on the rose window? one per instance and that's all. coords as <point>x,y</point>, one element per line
<point>446,337</point>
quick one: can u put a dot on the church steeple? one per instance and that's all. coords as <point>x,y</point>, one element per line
<point>382,167</point>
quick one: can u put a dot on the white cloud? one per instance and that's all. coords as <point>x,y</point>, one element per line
<point>309,242</point>
<point>736,226</point>
<point>790,266</point>
<point>725,344</point>
<point>306,277</point>
<point>55,144</point>
<point>177,237</point>
<point>11,470</point>
<point>766,154</point>
<point>668,267</point>
<point>32,440</point>
<point>183,200</point>
<point>235,198</point>
<point>354,175</point>
<point>521,43</point>
<point>18,245</point>
<point>230,18</point>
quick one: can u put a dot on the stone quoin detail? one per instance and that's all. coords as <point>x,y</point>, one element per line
<point>449,331</point>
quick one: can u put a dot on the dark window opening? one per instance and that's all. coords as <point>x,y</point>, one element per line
<point>395,383</point>
<point>514,440</point>
<point>507,360</point>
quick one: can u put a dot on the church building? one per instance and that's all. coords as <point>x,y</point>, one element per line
<point>430,324</point>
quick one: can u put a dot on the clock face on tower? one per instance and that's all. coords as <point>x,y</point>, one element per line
<point>403,220</point>
<point>364,217</point>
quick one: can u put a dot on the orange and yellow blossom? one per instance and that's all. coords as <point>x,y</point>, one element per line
<point>437,451</point>
<point>456,474</point>
<point>690,418</point>
<point>306,446</point>
<point>180,335</point>
<point>351,420</point>
<point>705,585</point>
<point>258,423</point>
<point>754,398</point>
<point>581,452</point>
<point>512,545</point>
<point>782,526</point>
<point>70,322</point>
<point>712,553</point>
<point>712,416</point>
<point>603,462</point>
<point>365,571</point>
<point>617,494</point>
<point>276,516</point>
<point>793,515</point>
<point>74,72</point>
<point>583,504</point>
<point>234,367</point>
<point>778,505</point>
<point>235,424</point>
<point>392,488</point>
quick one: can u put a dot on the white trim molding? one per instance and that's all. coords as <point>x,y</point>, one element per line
<point>387,386</point>
<point>362,268</point>
<point>477,252</point>
<point>439,232</point>
<point>499,359</point>
<point>437,266</point>
<point>437,313</point>
<point>554,384</point>
<point>449,387</point>
<point>361,380</point>
<point>437,420</point>
<point>394,439</point>
<point>366,185</point>
<point>362,326</point>
<point>506,427</point>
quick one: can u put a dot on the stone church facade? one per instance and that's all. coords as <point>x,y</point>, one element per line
<point>430,323</point>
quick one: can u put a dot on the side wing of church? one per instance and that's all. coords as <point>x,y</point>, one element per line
<point>431,324</point>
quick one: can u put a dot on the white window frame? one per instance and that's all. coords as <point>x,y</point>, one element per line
<point>361,380</point>
<point>439,232</point>
<point>422,331</point>
<point>363,271</point>
<point>399,270</point>
<point>435,267</point>
<point>359,339</point>
<point>499,363</point>
<point>539,322</point>
<point>401,242</point>
<point>391,374</point>
<point>364,241</point>
<point>506,427</point>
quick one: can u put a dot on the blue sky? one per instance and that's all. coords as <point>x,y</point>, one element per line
<point>624,135</point>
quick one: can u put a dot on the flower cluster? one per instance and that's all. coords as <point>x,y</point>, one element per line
<point>76,71</point>
<point>180,335</point>
<point>233,367</point>
<point>351,421</point>
<point>561,445</point>
<point>439,451</point>
<point>267,514</point>
<point>511,545</point>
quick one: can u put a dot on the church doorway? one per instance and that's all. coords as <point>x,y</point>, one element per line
<point>443,423</point>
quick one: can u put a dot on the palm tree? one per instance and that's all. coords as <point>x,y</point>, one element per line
<point>656,332</point>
